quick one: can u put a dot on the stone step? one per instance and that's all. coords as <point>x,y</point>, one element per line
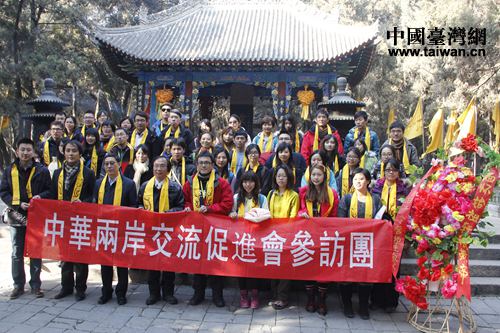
<point>478,268</point>
<point>485,286</point>
<point>491,252</point>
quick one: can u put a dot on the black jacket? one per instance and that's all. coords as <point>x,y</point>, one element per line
<point>129,193</point>
<point>53,151</point>
<point>265,178</point>
<point>186,134</point>
<point>87,189</point>
<point>130,172</point>
<point>40,184</point>
<point>153,143</point>
<point>175,197</point>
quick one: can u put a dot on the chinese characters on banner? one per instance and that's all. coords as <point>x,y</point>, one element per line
<point>323,249</point>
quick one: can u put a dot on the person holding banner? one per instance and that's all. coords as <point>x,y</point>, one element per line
<point>117,190</point>
<point>317,199</point>
<point>161,195</point>
<point>73,182</point>
<point>360,204</point>
<point>391,190</point>
<point>23,181</point>
<point>247,198</point>
<point>283,203</point>
<point>207,193</point>
<point>344,179</point>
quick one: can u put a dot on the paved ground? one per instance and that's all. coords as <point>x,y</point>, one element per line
<point>28,314</point>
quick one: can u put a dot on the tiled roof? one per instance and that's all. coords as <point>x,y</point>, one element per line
<point>237,32</point>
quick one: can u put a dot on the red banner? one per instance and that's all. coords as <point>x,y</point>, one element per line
<point>479,203</point>
<point>322,249</point>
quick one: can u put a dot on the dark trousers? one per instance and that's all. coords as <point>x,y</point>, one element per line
<point>280,289</point>
<point>200,284</point>
<point>384,295</point>
<point>68,280</point>
<point>319,285</point>
<point>161,281</point>
<point>248,283</point>
<point>107,281</point>
<point>363,293</point>
<point>17,235</point>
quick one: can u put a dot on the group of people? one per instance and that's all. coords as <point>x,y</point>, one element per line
<point>164,168</point>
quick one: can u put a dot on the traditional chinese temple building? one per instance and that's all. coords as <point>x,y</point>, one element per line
<point>239,49</point>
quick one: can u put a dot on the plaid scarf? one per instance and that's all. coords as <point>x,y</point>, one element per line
<point>69,174</point>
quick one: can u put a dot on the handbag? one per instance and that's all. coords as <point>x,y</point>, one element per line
<point>13,218</point>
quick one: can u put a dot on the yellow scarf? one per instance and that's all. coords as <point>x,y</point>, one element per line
<point>77,189</point>
<point>269,144</point>
<point>234,161</point>
<point>389,198</point>
<point>143,139</point>
<point>382,167</point>
<point>336,165</point>
<point>307,174</point>
<point>117,198</point>
<point>406,161</point>
<point>345,180</point>
<point>207,194</point>
<point>148,198</point>
<point>241,208</point>
<point>362,161</point>
<point>309,205</point>
<point>254,169</point>
<point>93,160</point>
<point>353,209</point>
<point>367,137</point>
<point>183,172</point>
<point>46,152</point>
<point>16,192</point>
<point>83,130</point>
<point>316,136</point>
<point>297,142</point>
<point>168,133</point>
<point>111,144</point>
<point>275,164</point>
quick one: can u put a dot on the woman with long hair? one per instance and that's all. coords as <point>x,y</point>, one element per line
<point>317,199</point>
<point>360,204</point>
<point>386,152</point>
<point>344,179</point>
<point>93,155</point>
<point>71,129</point>
<point>204,126</point>
<point>140,171</point>
<point>319,158</point>
<point>392,190</point>
<point>206,142</point>
<point>252,153</point>
<point>329,146</point>
<point>248,197</point>
<point>222,162</point>
<point>289,124</point>
<point>284,156</point>
<point>127,124</point>
<point>283,203</point>
<point>226,138</point>
<point>368,158</point>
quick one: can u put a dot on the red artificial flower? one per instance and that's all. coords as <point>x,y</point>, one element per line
<point>423,274</point>
<point>448,269</point>
<point>436,274</point>
<point>469,143</point>
<point>421,261</point>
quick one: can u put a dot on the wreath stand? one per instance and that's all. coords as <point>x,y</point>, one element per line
<point>443,315</point>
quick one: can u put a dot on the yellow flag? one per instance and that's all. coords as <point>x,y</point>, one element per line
<point>467,120</point>
<point>496,129</point>
<point>4,122</point>
<point>390,119</point>
<point>415,127</point>
<point>436,129</point>
<point>451,121</point>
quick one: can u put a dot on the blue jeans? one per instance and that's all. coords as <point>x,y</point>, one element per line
<point>17,235</point>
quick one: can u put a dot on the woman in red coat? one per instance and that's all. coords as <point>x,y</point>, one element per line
<point>317,199</point>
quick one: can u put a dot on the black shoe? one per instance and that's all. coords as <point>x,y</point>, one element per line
<point>219,302</point>
<point>37,292</point>
<point>196,299</point>
<point>16,293</point>
<point>62,294</point>
<point>390,309</point>
<point>80,296</point>
<point>170,299</point>
<point>152,300</point>
<point>103,299</point>
<point>364,314</point>
<point>121,300</point>
<point>348,311</point>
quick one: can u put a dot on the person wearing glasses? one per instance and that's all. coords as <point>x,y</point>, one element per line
<point>162,123</point>
<point>344,179</point>
<point>50,148</point>
<point>207,193</point>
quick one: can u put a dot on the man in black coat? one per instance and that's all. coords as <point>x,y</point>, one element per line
<point>104,193</point>
<point>23,181</point>
<point>49,149</point>
<point>149,199</point>
<point>142,135</point>
<point>73,182</point>
<point>177,130</point>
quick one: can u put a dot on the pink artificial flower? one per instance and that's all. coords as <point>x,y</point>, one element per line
<point>449,288</point>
